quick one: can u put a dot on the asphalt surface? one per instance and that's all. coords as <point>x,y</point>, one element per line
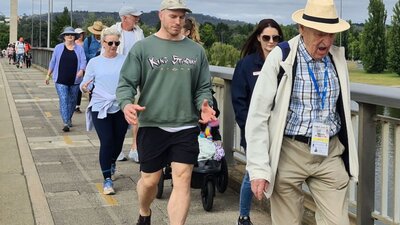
<point>50,177</point>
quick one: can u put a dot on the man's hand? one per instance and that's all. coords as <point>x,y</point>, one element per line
<point>258,186</point>
<point>130,112</point>
<point>207,113</point>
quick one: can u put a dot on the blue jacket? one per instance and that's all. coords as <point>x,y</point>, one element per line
<point>243,82</point>
<point>55,61</point>
<point>92,49</point>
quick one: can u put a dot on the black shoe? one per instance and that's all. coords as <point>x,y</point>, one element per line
<point>66,128</point>
<point>244,220</point>
<point>144,220</point>
<point>78,110</point>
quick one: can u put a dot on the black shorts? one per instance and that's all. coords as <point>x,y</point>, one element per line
<point>157,147</point>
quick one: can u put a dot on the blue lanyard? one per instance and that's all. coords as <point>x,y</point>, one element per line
<point>316,86</point>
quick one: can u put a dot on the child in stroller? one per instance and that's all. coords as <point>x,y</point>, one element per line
<point>211,169</point>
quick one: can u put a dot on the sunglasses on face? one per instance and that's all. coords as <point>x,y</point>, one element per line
<point>110,43</point>
<point>69,34</point>
<point>267,38</point>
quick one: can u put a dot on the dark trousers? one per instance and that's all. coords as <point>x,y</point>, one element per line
<point>111,132</point>
<point>78,101</point>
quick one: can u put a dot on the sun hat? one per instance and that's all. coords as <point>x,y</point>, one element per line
<point>68,30</point>
<point>174,4</point>
<point>129,10</point>
<point>79,30</point>
<point>96,28</point>
<point>320,15</point>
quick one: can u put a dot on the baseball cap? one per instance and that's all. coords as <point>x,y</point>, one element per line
<point>79,30</point>
<point>174,4</point>
<point>129,10</point>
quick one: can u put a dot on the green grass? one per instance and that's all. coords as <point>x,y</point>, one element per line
<point>358,75</point>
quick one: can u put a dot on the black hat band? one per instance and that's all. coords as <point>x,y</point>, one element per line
<point>320,20</point>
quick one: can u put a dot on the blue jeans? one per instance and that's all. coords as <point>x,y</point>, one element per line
<point>67,95</point>
<point>245,196</point>
<point>111,132</point>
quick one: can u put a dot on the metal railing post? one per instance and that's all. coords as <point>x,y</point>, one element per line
<point>366,154</point>
<point>229,123</point>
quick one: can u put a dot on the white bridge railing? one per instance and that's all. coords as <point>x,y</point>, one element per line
<point>376,198</point>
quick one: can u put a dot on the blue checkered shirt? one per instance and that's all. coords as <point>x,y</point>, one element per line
<point>305,103</point>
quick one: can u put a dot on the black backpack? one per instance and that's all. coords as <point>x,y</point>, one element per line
<point>284,46</point>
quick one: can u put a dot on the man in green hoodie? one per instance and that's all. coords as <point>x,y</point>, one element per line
<point>174,80</point>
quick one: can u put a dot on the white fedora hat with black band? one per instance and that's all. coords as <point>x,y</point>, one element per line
<point>320,15</point>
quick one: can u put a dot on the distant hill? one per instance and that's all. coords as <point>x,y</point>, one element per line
<point>149,18</point>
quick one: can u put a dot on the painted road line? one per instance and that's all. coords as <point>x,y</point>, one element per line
<point>111,201</point>
<point>67,140</point>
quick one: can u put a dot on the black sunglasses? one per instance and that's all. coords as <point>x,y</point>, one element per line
<point>110,43</point>
<point>267,38</point>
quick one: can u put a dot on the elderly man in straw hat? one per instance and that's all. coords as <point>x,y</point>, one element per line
<point>130,34</point>
<point>92,45</point>
<point>299,128</point>
<point>162,65</point>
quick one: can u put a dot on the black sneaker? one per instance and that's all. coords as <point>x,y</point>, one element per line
<point>144,220</point>
<point>244,220</point>
<point>66,128</point>
<point>78,110</point>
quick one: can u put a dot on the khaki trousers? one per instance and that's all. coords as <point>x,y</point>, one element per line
<point>326,178</point>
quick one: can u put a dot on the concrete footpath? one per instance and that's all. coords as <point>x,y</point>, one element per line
<point>51,177</point>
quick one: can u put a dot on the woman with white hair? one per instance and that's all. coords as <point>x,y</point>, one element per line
<point>103,111</point>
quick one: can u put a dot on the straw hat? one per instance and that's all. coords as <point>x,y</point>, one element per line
<point>96,28</point>
<point>320,15</point>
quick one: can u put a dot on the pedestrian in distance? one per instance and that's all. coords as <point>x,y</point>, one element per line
<point>299,127</point>
<point>191,29</point>
<point>130,34</point>
<point>172,74</point>
<point>255,50</point>
<point>81,38</point>
<point>20,51</point>
<point>79,41</point>
<point>10,53</point>
<point>91,44</point>
<point>67,66</point>
<point>103,110</point>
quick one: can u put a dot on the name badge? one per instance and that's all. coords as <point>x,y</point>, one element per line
<point>320,139</point>
<point>256,73</point>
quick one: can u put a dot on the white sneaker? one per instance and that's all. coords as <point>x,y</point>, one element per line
<point>133,155</point>
<point>121,157</point>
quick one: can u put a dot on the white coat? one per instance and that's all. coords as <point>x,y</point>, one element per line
<point>265,127</point>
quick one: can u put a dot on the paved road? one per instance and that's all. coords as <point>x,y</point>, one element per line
<point>52,177</point>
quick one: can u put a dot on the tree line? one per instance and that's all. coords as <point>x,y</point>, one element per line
<point>374,44</point>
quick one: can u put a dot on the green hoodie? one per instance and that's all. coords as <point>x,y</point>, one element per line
<point>173,78</point>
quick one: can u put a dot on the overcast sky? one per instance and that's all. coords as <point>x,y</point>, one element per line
<point>245,10</point>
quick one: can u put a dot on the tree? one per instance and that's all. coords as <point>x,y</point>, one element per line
<point>223,32</point>
<point>394,41</point>
<point>60,22</point>
<point>289,31</point>
<point>207,34</point>
<point>223,55</point>
<point>237,40</point>
<point>4,35</point>
<point>373,40</point>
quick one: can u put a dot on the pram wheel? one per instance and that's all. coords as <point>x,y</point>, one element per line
<point>160,185</point>
<point>222,178</point>
<point>207,195</point>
